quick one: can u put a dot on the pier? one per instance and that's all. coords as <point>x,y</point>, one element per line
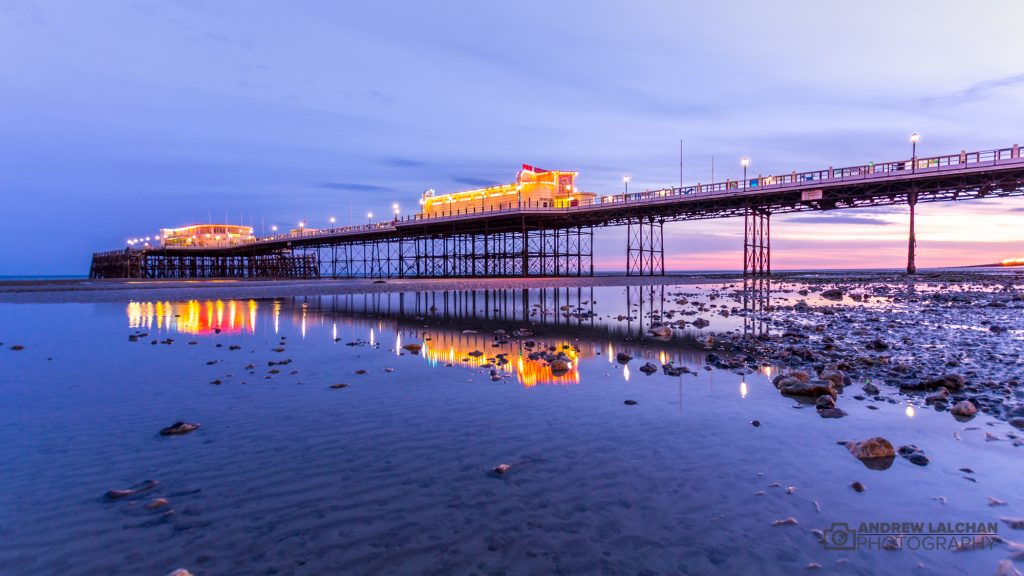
<point>522,237</point>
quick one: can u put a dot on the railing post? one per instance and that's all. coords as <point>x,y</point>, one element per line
<point>1015,153</point>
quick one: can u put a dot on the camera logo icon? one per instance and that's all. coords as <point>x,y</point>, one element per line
<point>839,536</point>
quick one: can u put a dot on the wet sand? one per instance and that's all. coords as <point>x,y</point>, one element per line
<point>392,473</point>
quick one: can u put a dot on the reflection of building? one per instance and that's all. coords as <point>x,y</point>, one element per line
<point>194,317</point>
<point>533,187</point>
<point>206,235</point>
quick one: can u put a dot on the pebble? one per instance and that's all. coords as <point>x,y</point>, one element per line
<point>339,386</point>
<point>858,487</point>
<point>630,402</point>
<point>140,488</point>
<point>790,521</point>
<point>157,503</point>
<point>755,423</point>
<point>179,428</point>
<point>964,409</point>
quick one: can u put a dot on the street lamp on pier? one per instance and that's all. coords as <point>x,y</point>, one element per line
<point>913,154</point>
<point>369,218</point>
<point>745,162</point>
<point>332,221</point>
<point>625,181</point>
<point>394,208</point>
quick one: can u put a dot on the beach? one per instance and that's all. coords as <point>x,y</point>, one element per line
<point>566,426</point>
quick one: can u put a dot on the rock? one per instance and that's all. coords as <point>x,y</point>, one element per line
<point>1006,568</point>
<point>996,501</point>
<point>179,428</point>
<point>17,347</point>
<point>180,572</point>
<point>661,332</point>
<point>914,454</point>
<point>140,488</point>
<point>1017,422</point>
<point>858,487</point>
<point>623,358</point>
<point>870,389</point>
<point>361,371</point>
<point>790,521</point>
<point>630,402</point>
<point>964,409</point>
<point>648,368</point>
<point>832,294</point>
<point>475,354</point>
<point>339,386</point>
<point>825,401</point>
<point>832,413</point>
<point>952,382</point>
<point>1015,523</point>
<point>755,423</point>
<point>671,370</point>
<point>700,323</point>
<point>157,503</point>
<point>234,347</point>
<point>413,348</point>
<point>940,395</point>
<point>834,376</point>
<point>814,388</point>
<point>560,367</point>
<point>875,453</point>
<point>501,469</point>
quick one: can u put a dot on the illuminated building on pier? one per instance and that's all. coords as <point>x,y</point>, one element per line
<point>533,187</point>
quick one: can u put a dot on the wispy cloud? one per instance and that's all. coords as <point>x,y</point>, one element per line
<point>398,162</point>
<point>354,186</point>
<point>838,219</point>
<point>976,91</point>
<point>480,182</point>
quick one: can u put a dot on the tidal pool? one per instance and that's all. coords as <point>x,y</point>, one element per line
<point>393,473</point>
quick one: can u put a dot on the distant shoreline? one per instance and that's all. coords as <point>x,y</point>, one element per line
<point>84,291</point>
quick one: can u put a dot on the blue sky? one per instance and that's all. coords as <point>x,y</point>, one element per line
<point>119,118</point>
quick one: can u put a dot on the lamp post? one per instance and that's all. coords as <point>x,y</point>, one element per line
<point>369,218</point>
<point>913,154</point>
<point>394,208</point>
<point>273,229</point>
<point>745,162</point>
<point>625,181</point>
<point>332,221</point>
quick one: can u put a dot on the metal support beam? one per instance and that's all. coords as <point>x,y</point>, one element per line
<point>912,243</point>
<point>757,242</point>
<point>645,247</point>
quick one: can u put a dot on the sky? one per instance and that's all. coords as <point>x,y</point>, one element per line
<point>118,118</point>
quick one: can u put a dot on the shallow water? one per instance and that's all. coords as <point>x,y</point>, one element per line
<point>392,473</point>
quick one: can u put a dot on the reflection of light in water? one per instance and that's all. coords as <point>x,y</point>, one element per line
<point>277,315</point>
<point>743,389</point>
<point>910,411</point>
<point>304,321</point>
<point>372,337</point>
<point>625,372</point>
<point>398,343</point>
<point>334,331</point>
<point>192,317</point>
<point>662,357</point>
<point>767,371</point>
<point>611,354</point>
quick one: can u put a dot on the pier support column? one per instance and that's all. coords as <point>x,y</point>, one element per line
<point>757,243</point>
<point>645,247</point>
<point>911,265</point>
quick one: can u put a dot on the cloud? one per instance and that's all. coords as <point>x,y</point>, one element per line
<point>838,219</point>
<point>402,162</point>
<point>478,182</point>
<point>975,91</point>
<point>352,186</point>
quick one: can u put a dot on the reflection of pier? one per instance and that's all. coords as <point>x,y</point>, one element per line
<point>757,293</point>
